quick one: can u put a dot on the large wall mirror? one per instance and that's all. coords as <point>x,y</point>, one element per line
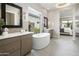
<point>12,15</point>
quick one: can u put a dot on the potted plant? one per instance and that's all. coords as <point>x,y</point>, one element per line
<point>1,24</point>
<point>36,30</point>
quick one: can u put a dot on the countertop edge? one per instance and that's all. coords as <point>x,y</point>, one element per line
<point>14,35</point>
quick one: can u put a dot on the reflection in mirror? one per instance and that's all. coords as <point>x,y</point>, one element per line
<point>12,15</point>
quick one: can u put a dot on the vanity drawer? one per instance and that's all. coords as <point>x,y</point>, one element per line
<point>8,40</point>
<point>10,47</point>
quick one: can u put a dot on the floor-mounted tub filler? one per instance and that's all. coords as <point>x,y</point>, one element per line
<point>40,40</point>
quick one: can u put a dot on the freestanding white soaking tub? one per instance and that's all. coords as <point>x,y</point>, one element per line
<point>40,40</point>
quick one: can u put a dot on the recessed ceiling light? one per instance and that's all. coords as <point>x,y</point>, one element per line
<point>61,5</point>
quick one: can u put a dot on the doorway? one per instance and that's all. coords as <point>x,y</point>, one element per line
<point>66,22</point>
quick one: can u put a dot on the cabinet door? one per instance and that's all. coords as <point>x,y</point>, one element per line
<point>9,46</point>
<point>26,42</point>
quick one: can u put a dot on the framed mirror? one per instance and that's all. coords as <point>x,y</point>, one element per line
<point>12,15</point>
<point>46,22</point>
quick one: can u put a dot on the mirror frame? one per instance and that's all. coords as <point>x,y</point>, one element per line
<point>46,22</point>
<point>3,15</point>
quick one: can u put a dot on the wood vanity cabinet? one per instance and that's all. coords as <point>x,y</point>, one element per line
<point>26,42</point>
<point>16,46</point>
<point>10,46</point>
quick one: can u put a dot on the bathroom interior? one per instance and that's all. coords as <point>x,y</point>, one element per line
<point>24,26</point>
<point>29,27</point>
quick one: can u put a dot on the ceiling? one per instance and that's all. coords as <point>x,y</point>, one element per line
<point>48,6</point>
<point>51,6</point>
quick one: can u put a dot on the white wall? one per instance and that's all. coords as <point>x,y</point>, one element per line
<point>54,22</point>
<point>77,18</point>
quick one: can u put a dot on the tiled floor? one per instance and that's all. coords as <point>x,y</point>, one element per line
<point>65,46</point>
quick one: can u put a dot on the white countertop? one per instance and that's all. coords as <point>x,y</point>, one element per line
<point>14,35</point>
